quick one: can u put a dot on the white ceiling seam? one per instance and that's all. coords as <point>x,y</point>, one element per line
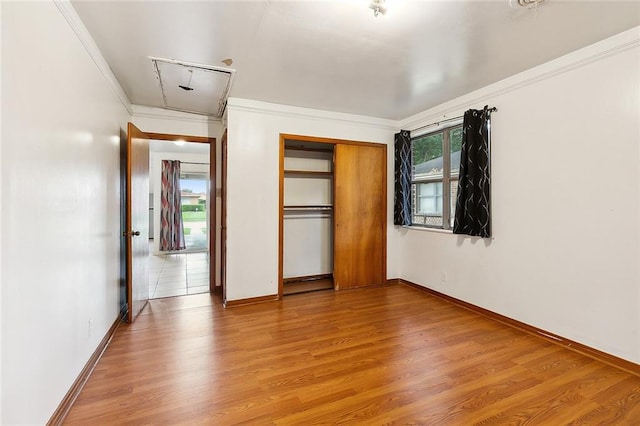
<point>193,87</point>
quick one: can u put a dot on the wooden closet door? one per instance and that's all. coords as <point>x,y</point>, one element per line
<point>359,216</point>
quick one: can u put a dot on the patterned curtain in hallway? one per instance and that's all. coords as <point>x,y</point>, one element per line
<point>402,205</point>
<point>473,206</point>
<point>171,230</point>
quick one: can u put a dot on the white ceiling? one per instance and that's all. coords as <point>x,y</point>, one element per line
<point>334,55</point>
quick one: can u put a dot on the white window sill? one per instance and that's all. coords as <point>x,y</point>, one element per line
<point>443,231</point>
<point>424,228</point>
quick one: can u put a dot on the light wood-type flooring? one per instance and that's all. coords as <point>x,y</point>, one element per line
<point>389,355</point>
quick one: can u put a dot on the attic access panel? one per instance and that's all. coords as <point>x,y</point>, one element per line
<point>191,87</point>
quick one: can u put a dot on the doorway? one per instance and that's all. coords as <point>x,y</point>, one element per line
<point>182,269</point>
<point>137,210</point>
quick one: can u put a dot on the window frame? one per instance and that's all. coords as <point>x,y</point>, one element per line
<point>446,179</point>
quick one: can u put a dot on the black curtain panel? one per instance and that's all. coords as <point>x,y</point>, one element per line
<point>402,204</point>
<point>473,206</point>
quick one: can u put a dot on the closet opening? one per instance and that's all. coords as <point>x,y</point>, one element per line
<point>333,214</point>
<point>307,216</point>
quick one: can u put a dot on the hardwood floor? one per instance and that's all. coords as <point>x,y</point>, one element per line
<point>389,355</point>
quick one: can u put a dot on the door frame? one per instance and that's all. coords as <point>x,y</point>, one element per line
<point>212,225</point>
<point>223,215</point>
<point>284,137</point>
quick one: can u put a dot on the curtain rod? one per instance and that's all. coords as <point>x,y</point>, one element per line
<point>437,123</point>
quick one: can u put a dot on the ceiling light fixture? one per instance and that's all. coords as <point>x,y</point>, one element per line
<point>179,142</point>
<point>378,7</point>
<point>526,3</point>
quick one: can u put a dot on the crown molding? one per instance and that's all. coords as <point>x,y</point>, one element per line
<point>281,110</point>
<point>605,48</point>
<point>78,27</point>
<point>169,114</point>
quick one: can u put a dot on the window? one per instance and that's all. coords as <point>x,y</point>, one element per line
<point>434,177</point>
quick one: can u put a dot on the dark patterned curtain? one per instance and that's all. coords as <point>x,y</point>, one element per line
<point>402,205</point>
<point>171,227</point>
<point>473,206</point>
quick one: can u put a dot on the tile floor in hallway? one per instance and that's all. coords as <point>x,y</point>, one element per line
<point>178,274</point>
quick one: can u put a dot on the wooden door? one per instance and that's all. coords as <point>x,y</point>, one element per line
<point>137,222</point>
<point>359,216</point>
<point>223,218</point>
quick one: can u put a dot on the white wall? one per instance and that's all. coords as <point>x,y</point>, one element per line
<point>253,158</point>
<point>566,202</point>
<point>60,212</point>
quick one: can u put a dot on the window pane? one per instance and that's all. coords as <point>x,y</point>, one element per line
<point>454,197</point>
<point>427,203</point>
<point>427,156</point>
<point>455,141</point>
<point>193,198</point>
<point>430,198</point>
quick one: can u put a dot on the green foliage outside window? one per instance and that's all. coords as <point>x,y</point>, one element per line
<point>430,146</point>
<point>193,207</point>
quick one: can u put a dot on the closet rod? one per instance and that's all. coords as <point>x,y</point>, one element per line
<point>437,123</point>
<point>308,208</point>
<point>189,162</point>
